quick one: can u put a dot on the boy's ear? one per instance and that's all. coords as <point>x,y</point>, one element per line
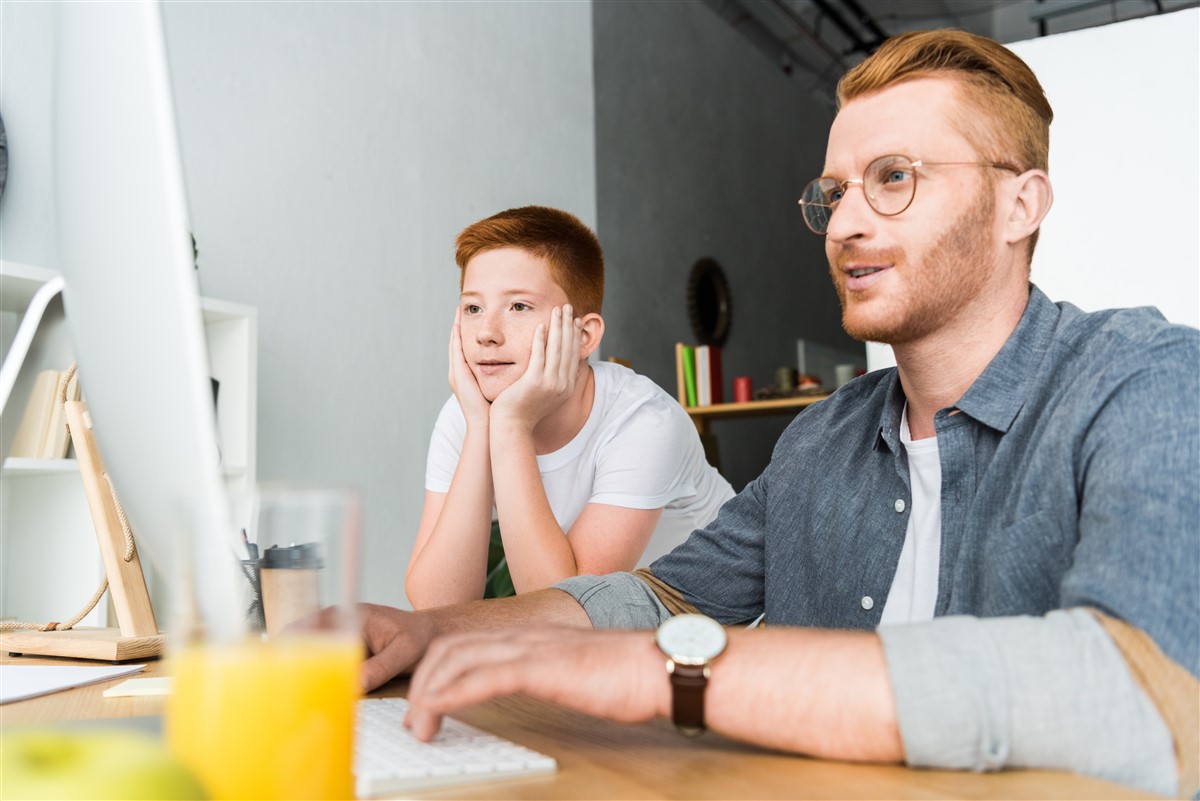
<point>591,334</point>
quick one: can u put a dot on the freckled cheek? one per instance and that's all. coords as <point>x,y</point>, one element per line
<point>520,334</point>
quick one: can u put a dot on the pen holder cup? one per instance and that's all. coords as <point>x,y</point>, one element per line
<point>272,715</point>
<point>252,602</point>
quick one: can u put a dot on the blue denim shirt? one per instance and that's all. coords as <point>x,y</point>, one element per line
<point>1070,477</point>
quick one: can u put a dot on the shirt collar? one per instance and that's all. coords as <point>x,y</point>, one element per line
<point>893,410</point>
<point>998,394</point>
<point>1000,391</point>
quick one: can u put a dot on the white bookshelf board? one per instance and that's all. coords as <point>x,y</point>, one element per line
<point>49,561</point>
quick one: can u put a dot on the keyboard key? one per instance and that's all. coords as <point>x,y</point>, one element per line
<point>389,759</point>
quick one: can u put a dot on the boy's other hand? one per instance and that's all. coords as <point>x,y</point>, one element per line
<point>550,377</point>
<point>475,406</point>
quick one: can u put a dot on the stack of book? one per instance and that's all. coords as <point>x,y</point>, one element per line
<point>43,431</point>
<point>698,374</point>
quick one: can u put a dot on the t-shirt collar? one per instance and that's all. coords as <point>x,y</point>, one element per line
<point>997,396</point>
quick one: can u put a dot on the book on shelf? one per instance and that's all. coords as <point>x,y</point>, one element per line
<point>716,381</point>
<point>31,433</point>
<point>698,375</point>
<point>689,374</point>
<point>58,437</point>
<point>42,433</point>
<point>680,378</point>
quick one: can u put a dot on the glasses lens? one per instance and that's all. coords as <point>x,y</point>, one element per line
<point>818,201</point>
<point>890,182</point>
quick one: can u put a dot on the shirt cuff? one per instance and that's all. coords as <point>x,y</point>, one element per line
<point>1050,692</point>
<point>616,601</point>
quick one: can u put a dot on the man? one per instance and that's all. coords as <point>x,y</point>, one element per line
<point>984,558</point>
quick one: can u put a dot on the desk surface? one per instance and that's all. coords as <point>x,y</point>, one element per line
<point>600,760</point>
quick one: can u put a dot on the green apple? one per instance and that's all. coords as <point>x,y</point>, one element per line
<point>91,764</point>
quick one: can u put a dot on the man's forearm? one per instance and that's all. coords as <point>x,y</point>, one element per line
<point>808,691</point>
<point>541,607</point>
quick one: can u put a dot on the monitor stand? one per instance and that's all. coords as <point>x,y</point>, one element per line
<point>137,635</point>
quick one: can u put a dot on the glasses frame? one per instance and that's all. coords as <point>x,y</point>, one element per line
<point>843,185</point>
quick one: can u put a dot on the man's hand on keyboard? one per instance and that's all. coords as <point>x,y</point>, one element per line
<point>616,675</point>
<point>395,641</point>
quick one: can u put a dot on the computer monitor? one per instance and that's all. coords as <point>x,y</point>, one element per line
<point>131,298</point>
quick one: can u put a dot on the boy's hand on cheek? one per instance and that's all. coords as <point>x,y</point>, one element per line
<point>475,407</point>
<point>550,377</point>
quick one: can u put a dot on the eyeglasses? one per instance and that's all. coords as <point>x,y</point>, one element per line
<point>889,183</point>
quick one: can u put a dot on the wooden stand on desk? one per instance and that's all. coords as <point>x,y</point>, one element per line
<point>137,636</point>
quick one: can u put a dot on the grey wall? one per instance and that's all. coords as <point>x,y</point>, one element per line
<point>702,148</point>
<point>332,152</point>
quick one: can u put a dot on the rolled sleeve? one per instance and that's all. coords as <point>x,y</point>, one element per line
<point>1050,692</point>
<point>616,601</point>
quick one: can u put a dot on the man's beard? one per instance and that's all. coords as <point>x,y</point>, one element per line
<point>944,280</point>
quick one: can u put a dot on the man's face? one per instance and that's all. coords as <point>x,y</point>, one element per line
<point>506,292</point>
<point>901,278</point>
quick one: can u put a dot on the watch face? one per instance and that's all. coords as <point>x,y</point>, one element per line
<point>691,639</point>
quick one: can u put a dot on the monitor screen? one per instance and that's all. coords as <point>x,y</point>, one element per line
<point>131,299</point>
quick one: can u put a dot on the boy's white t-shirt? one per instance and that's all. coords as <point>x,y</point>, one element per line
<point>638,449</point>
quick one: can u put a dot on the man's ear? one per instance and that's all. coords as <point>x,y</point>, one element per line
<point>1028,202</point>
<point>591,334</point>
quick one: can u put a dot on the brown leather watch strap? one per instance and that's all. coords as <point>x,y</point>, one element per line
<point>687,702</point>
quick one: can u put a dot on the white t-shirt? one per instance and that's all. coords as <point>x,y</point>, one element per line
<point>913,596</point>
<point>638,449</point>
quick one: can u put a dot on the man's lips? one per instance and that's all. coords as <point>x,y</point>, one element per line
<point>860,277</point>
<point>861,269</point>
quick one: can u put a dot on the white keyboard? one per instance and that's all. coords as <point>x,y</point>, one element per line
<point>389,759</point>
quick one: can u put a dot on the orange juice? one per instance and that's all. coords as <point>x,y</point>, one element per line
<point>268,719</point>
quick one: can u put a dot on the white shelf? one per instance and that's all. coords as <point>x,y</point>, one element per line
<point>43,508</point>
<point>20,466</point>
<point>19,282</point>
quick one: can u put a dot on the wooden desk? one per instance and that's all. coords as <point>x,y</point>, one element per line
<point>600,760</point>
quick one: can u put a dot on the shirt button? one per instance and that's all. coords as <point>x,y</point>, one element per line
<point>867,602</point>
<point>899,505</point>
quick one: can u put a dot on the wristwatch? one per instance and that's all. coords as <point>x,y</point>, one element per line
<point>691,643</point>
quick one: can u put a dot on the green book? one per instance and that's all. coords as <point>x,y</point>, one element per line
<point>689,373</point>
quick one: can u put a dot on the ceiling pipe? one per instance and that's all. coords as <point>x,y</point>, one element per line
<point>864,18</point>
<point>860,45</point>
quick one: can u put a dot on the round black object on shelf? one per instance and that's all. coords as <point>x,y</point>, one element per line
<point>710,306</point>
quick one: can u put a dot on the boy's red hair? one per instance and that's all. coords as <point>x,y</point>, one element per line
<point>569,248</point>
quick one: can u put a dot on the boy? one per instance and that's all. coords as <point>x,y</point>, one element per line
<point>586,465</point>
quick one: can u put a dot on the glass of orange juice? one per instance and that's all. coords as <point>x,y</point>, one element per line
<point>267,711</point>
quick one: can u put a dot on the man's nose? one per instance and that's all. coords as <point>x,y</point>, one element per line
<point>853,216</point>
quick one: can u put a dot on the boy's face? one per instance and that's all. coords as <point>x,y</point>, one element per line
<point>505,294</point>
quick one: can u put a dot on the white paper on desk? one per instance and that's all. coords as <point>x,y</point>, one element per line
<point>18,682</point>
